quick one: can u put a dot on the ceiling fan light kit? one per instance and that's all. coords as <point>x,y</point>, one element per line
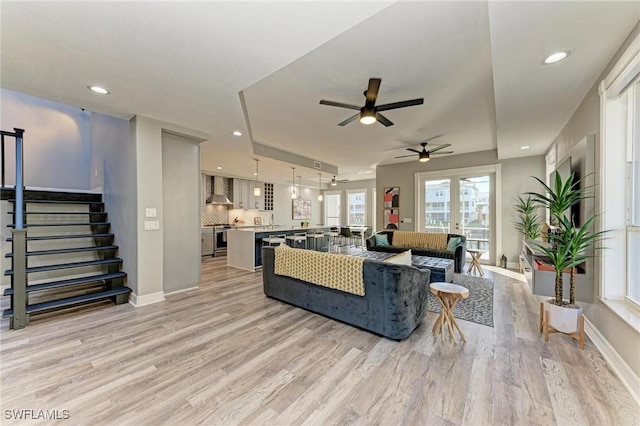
<point>370,113</point>
<point>425,154</point>
<point>367,116</point>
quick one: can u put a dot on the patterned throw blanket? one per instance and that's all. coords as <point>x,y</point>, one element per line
<point>431,240</point>
<point>335,271</point>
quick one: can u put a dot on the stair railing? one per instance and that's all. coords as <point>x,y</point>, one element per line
<point>20,318</point>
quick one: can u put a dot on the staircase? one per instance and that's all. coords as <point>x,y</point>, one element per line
<point>70,255</point>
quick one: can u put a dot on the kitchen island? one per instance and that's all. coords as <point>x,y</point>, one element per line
<point>244,245</point>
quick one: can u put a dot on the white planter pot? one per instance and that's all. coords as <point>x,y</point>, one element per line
<point>564,319</point>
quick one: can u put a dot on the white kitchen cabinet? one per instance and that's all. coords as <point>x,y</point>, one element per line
<point>243,197</point>
<point>256,203</point>
<point>240,194</point>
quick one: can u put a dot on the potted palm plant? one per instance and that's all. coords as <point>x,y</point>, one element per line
<point>528,223</point>
<point>567,247</point>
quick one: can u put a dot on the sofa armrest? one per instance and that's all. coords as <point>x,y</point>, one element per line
<point>370,242</point>
<point>460,256</point>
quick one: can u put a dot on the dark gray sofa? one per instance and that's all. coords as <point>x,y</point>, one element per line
<point>394,303</point>
<point>458,256</point>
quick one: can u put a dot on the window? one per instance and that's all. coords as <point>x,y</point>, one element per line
<point>633,195</point>
<point>462,201</point>
<point>332,208</point>
<point>620,168</point>
<point>357,203</point>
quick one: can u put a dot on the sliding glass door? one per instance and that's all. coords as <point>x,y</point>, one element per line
<point>459,203</point>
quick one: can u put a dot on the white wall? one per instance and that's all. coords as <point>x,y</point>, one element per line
<point>148,144</point>
<point>181,215</point>
<point>283,206</point>
<point>516,180</point>
<point>113,155</point>
<point>57,141</point>
<point>617,332</point>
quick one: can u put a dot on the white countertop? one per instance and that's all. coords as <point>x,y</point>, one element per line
<point>275,228</point>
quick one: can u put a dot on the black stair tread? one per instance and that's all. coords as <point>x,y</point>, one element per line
<point>69,282</point>
<point>68,265</point>
<point>40,201</point>
<point>52,194</point>
<point>69,301</point>
<point>67,250</point>
<point>63,237</point>
<point>33,225</point>
<point>59,212</point>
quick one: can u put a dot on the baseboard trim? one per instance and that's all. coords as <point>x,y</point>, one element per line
<point>182,290</point>
<point>628,378</point>
<point>146,299</point>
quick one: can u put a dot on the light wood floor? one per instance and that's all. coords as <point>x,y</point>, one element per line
<point>226,354</point>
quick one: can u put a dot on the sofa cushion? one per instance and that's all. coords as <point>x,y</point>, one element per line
<point>381,240</point>
<point>420,239</point>
<point>403,258</point>
<point>453,243</point>
<point>337,271</point>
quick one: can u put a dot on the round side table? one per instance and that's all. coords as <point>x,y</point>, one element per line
<point>448,295</point>
<point>475,261</point>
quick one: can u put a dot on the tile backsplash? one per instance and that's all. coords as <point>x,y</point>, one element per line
<point>212,213</point>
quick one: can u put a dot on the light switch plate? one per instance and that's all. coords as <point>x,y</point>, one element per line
<point>151,225</point>
<point>407,220</point>
<point>151,212</point>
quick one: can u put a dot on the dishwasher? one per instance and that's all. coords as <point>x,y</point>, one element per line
<point>207,241</point>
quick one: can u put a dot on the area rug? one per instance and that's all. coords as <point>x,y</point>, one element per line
<point>478,307</point>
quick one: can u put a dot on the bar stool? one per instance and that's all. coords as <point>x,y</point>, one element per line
<point>333,234</point>
<point>298,238</point>
<point>315,237</point>
<point>346,235</point>
<point>274,240</point>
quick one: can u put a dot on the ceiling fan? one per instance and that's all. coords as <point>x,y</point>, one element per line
<point>425,154</point>
<point>370,113</point>
<point>335,181</point>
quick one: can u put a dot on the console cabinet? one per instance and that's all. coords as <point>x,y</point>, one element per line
<point>542,282</point>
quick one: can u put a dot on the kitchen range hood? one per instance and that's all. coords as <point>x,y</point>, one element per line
<point>218,196</point>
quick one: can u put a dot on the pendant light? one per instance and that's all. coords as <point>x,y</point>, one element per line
<point>256,189</point>
<point>293,183</point>
<point>333,181</point>
<point>299,187</point>
<point>320,197</point>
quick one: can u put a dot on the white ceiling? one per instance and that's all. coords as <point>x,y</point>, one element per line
<point>478,66</point>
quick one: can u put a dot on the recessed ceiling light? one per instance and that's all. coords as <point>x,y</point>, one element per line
<point>219,168</point>
<point>237,133</point>
<point>556,57</point>
<point>98,89</point>
<point>255,174</point>
<point>525,147</point>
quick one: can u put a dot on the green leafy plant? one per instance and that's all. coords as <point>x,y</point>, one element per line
<point>580,244</point>
<point>569,246</point>
<point>560,196</point>
<point>528,223</point>
<point>558,257</point>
